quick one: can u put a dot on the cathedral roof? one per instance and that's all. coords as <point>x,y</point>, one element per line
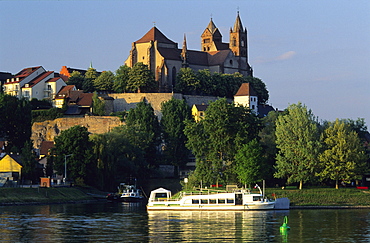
<point>217,57</point>
<point>154,35</point>
<point>246,89</point>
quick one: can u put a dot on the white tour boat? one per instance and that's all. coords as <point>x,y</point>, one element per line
<point>239,199</point>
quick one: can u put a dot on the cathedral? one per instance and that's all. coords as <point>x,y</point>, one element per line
<point>165,59</point>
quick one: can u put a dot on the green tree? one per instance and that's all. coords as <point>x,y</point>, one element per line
<point>15,121</point>
<point>205,82</point>
<point>142,130</point>
<point>250,163</point>
<point>104,82</point>
<point>343,157</point>
<point>297,139</point>
<point>267,139</point>
<point>141,79</point>
<point>73,146</point>
<point>98,105</point>
<point>187,82</point>
<point>216,138</point>
<point>76,79</point>
<point>121,79</point>
<point>90,75</point>
<point>28,158</point>
<point>174,113</point>
<point>116,159</point>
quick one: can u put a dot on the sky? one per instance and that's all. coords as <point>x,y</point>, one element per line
<point>316,52</point>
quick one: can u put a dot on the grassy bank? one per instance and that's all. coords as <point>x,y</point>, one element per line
<point>323,196</point>
<point>304,197</point>
<point>43,195</point>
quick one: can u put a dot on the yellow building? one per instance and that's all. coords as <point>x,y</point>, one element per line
<point>165,59</point>
<point>198,111</point>
<point>10,168</point>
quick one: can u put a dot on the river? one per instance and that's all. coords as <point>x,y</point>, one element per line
<point>122,222</point>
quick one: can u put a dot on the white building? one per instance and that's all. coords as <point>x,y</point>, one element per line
<point>246,96</point>
<point>34,82</point>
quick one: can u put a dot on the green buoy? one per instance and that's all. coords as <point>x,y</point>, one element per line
<point>285,226</point>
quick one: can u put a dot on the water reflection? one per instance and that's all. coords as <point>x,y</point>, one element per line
<point>211,226</point>
<point>123,222</point>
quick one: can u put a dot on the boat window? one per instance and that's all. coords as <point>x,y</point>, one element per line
<point>257,198</point>
<point>204,201</point>
<point>161,195</point>
<point>212,201</point>
<point>221,201</point>
<point>195,201</point>
<point>230,200</point>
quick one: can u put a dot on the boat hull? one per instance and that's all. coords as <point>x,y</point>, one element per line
<point>173,207</point>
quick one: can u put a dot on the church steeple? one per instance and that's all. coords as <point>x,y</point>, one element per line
<point>238,26</point>
<point>238,39</point>
<point>184,53</point>
<point>210,37</point>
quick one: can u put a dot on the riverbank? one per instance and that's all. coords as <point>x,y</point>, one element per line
<point>314,197</point>
<point>51,195</point>
<point>306,198</point>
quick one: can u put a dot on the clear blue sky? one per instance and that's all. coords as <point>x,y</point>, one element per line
<point>314,51</point>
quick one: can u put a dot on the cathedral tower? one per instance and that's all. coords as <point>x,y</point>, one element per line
<point>238,39</point>
<point>211,37</point>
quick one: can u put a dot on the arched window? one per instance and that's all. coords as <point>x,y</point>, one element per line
<point>234,41</point>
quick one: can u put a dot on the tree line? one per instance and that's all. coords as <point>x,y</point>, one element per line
<point>140,79</point>
<point>231,146</point>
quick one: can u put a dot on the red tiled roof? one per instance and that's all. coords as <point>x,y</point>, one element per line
<point>79,98</point>
<point>45,146</point>
<point>64,91</point>
<point>53,79</point>
<point>26,71</point>
<point>39,78</point>
<point>154,35</point>
<point>85,99</point>
<point>246,89</point>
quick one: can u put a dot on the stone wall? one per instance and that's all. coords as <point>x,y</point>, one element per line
<point>48,130</point>
<point>127,101</point>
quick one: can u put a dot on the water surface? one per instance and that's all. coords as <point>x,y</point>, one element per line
<point>123,222</point>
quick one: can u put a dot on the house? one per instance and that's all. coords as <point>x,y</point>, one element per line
<point>78,102</point>
<point>10,168</point>
<point>165,59</point>
<point>198,111</point>
<point>62,95</point>
<point>34,82</point>
<point>246,96</point>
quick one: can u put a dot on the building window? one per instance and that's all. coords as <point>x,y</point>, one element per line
<point>234,42</point>
<point>231,62</point>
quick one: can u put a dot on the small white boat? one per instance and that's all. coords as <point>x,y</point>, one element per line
<point>126,193</point>
<point>239,199</point>
<point>129,193</point>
